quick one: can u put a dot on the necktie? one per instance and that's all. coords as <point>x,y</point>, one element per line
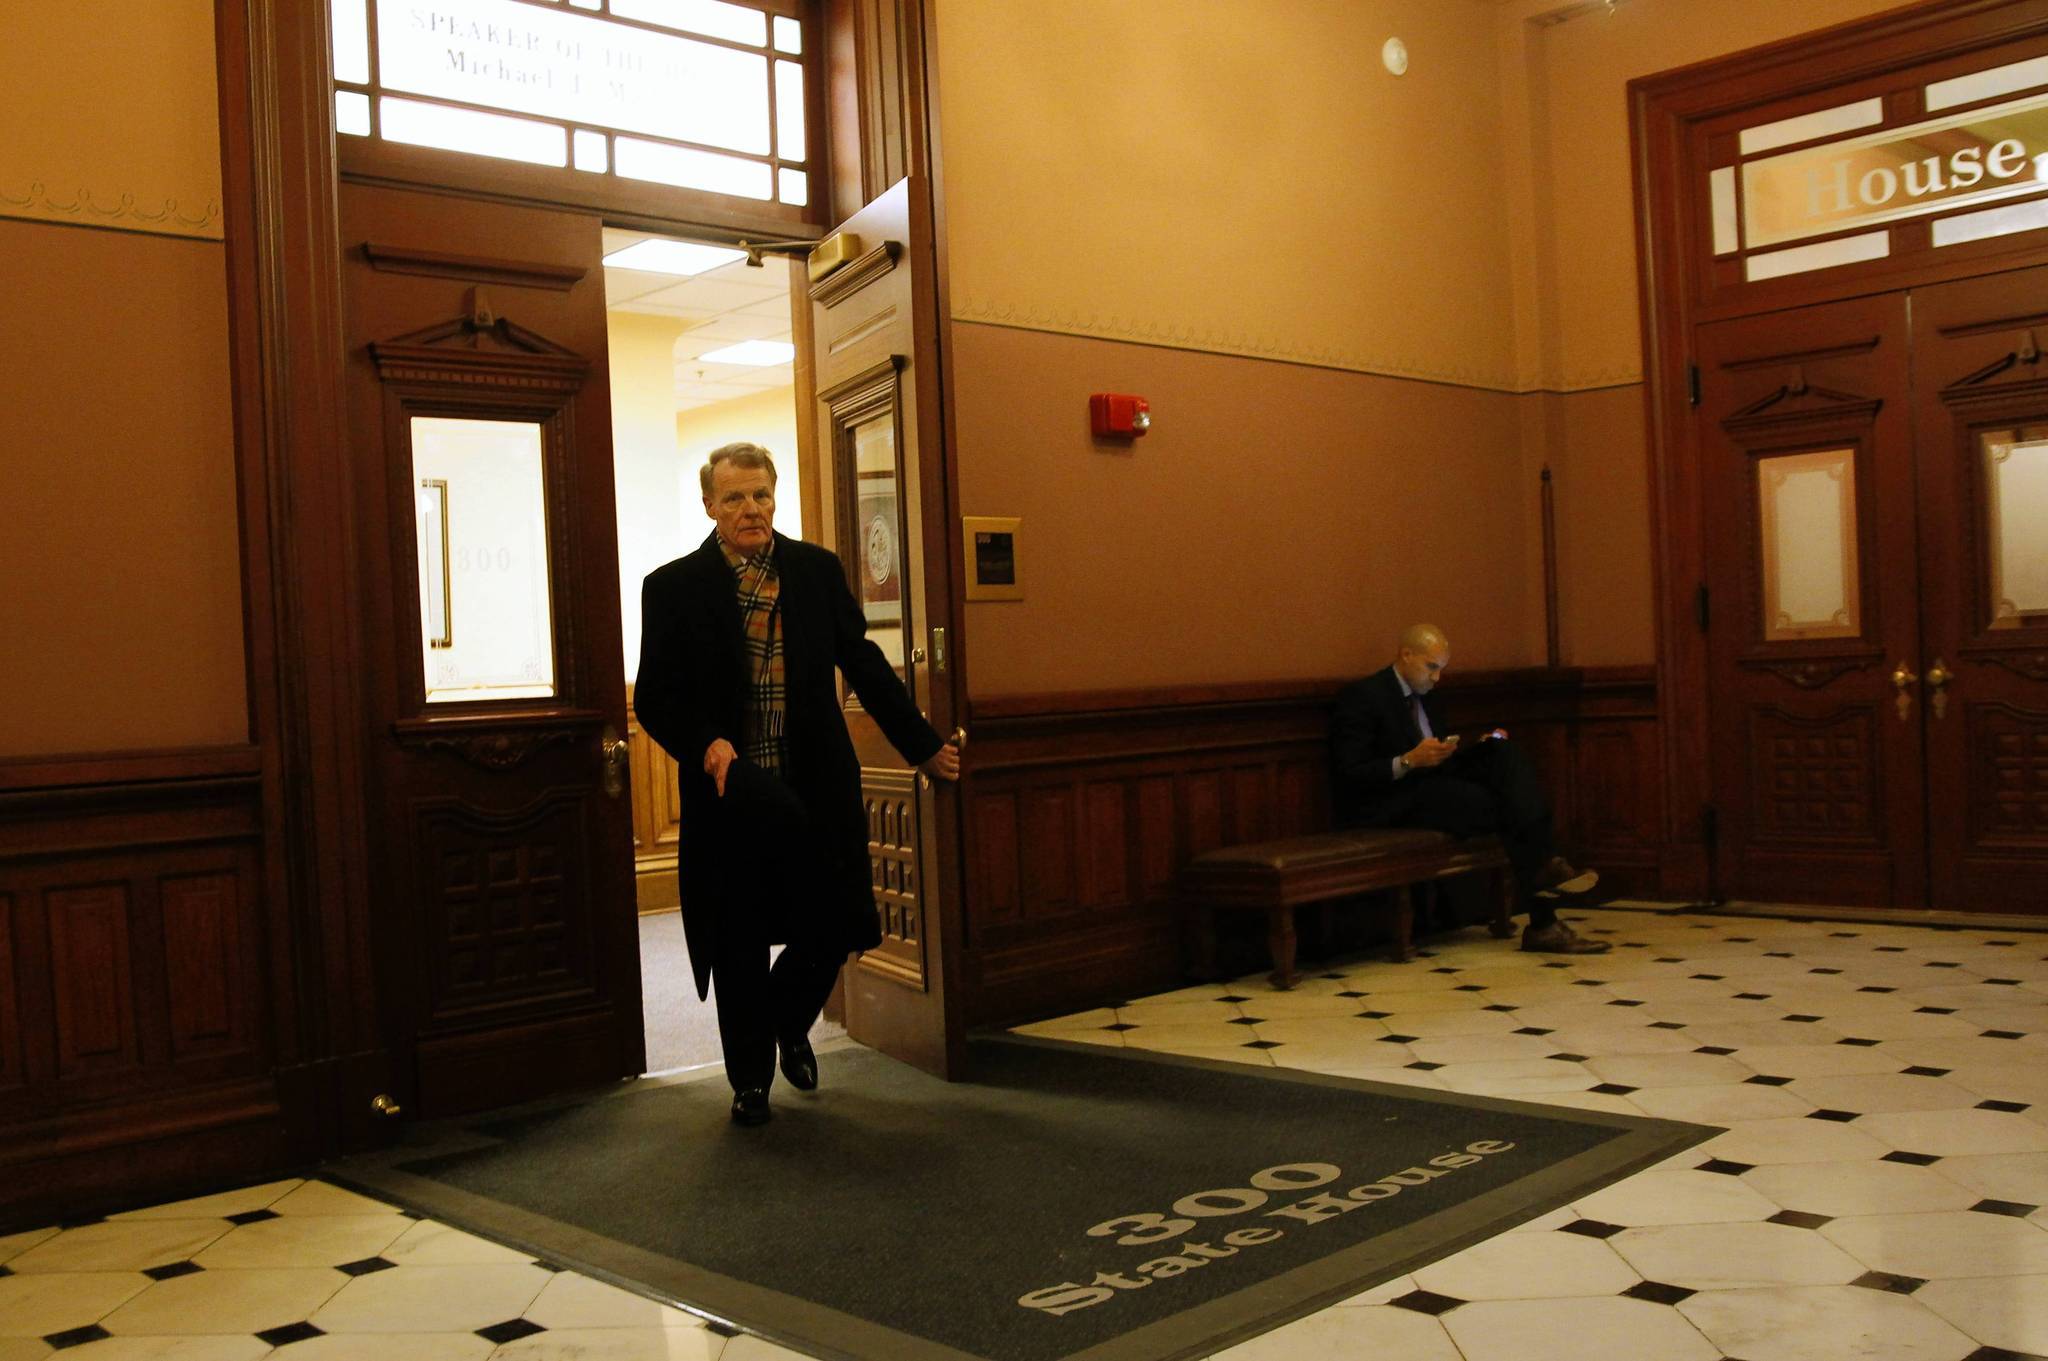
<point>1415,715</point>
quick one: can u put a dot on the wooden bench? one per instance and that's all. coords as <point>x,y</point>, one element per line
<point>1278,876</point>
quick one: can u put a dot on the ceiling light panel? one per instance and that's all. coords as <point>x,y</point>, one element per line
<point>672,257</point>
<point>753,353</point>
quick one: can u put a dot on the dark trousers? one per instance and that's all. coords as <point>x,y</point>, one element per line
<point>1486,787</point>
<point>779,895</point>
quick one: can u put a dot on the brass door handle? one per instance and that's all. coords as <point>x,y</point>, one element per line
<point>1938,678</point>
<point>615,751</point>
<point>382,1105</point>
<point>1903,681</point>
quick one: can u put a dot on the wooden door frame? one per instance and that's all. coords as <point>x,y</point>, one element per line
<point>299,546</point>
<point>1671,225</point>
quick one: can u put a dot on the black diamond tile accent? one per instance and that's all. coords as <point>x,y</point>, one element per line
<point>1876,989</point>
<point>1245,1020</point>
<point>1656,1292</point>
<point>713,1326</point>
<point>1625,1002</point>
<point>1727,1167</point>
<point>1828,971</point>
<point>1918,1070</point>
<point>1708,977</point>
<point>1336,977</point>
<point>1468,987</point>
<point>1119,1025</point>
<point>1912,1159</point>
<point>252,1216</point>
<point>5,1270</point>
<point>2001,942</point>
<point>1799,1219</point>
<point>1588,982</point>
<point>1935,1011</point>
<point>1839,1117</point>
<point>1425,1302</point>
<point>1767,1080</point>
<point>2004,1207</point>
<point>2003,982</point>
<point>1741,940</point>
<point>1943,964</point>
<point>1861,1044</point>
<point>511,1330</point>
<point>1567,1058</point>
<point>170,1271</point>
<point>290,1333</point>
<point>2004,1034</point>
<point>1890,949</point>
<point>1666,1025</point>
<point>2001,1354</point>
<point>1713,1049</point>
<point>1612,1089</point>
<point>1777,954</point>
<point>1801,1017</point>
<point>1442,968</point>
<point>1423,1066</point>
<point>1499,1006</point>
<point>1233,998</point>
<point>549,1267</point>
<point>2010,1107</point>
<point>1593,1228</point>
<point>366,1265</point>
<point>77,1337</point>
<point>1752,997</point>
<point>1666,959</point>
<point>1400,1039</point>
<point>1375,1015</point>
<point>1845,935</point>
<point>1531,1030</point>
<point>1260,1044</point>
<point>1884,1280</point>
<point>1354,996</point>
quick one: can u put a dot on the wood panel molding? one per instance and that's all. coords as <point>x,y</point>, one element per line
<point>437,264</point>
<point>1082,807</point>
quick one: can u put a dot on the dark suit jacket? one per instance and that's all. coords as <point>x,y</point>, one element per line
<point>1372,724</point>
<point>692,689</point>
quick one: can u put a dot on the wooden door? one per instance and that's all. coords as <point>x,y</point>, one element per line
<point>1983,451</point>
<point>479,442</point>
<point>1811,605</point>
<point>873,348</point>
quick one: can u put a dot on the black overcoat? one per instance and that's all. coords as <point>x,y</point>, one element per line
<point>691,690</point>
<point>1371,725</point>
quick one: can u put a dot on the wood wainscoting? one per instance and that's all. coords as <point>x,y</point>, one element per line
<point>657,813</point>
<point>1081,809</point>
<point>138,1011</point>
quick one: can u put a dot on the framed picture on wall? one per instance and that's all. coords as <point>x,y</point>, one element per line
<point>880,547</point>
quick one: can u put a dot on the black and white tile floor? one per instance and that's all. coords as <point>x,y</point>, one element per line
<point>1878,1193</point>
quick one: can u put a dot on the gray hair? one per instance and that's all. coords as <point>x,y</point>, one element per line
<point>740,455</point>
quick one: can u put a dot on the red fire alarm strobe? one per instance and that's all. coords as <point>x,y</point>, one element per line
<point>1118,415</point>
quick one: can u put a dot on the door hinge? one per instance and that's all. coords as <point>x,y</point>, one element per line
<point>1692,383</point>
<point>1699,606</point>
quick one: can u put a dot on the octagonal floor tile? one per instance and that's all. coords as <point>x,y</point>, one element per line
<point>390,1347</point>
<point>1337,1334</point>
<point>1794,1141</point>
<point>1668,1070</point>
<point>2010,1312</point>
<point>1529,1266</point>
<point>431,1299</point>
<point>2021,1177</point>
<point>427,1243</point>
<point>1942,1244</point>
<point>1819,1060</point>
<point>1882,1093</point>
<point>121,1245</point>
<point>304,1240</point>
<point>1732,1256</point>
<point>325,1198</point>
<point>622,1344</point>
<point>36,1306</point>
<point>227,1301</point>
<point>1613,1329</point>
<point>1964,1131</point>
<point>1720,1105</point>
<point>1862,1187</point>
<point>221,1205</point>
<point>574,1301</point>
<point>1823,1323</point>
<point>2005,1081</point>
<point>1515,1077</point>
<point>1671,1196</point>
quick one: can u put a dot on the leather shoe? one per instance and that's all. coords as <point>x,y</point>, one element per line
<point>1559,939</point>
<point>750,1107</point>
<point>1559,878</point>
<point>800,1065</point>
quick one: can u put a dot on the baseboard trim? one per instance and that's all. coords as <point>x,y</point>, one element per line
<point>1822,912</point>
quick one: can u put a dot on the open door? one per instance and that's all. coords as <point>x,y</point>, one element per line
<point>874,351</point>
<point>479,438</point>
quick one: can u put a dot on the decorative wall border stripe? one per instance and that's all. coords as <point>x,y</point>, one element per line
<point>120,211</point>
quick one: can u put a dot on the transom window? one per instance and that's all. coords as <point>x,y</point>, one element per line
<point>699,94</point>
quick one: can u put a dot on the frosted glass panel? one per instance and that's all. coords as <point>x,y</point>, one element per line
<point>689,169</point>
<point>712,18</point>
<point>486,626</point>
<point>789,111</point>
<point>2016,525</point>
<point>482,134</point>
<point>1807,511</point>
<point>350,20</point>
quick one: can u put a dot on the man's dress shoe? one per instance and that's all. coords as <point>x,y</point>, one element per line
<point>800,1065</point>
<point>750,1107</point>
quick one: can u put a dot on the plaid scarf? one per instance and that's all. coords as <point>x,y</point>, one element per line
<point>760,594</point>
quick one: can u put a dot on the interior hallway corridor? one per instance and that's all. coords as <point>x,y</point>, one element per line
<point>1879,1192</point>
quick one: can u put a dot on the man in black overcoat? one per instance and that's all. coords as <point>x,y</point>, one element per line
<point>1393,765</point>
<point>739,641</point>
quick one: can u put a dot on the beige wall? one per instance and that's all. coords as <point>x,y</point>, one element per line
<point>1469,223</point>
<point>121,609</point>
<point>765,418</point>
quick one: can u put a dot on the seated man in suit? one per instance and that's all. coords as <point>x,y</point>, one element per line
<point>1392,768</point>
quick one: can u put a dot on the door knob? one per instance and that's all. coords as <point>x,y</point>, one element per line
<point>1903,681</point>
<point>1938,678</point>
<point>382,1105</point>
<point>615,752</point>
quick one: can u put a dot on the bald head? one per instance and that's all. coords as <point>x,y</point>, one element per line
<point>1422,657</point>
